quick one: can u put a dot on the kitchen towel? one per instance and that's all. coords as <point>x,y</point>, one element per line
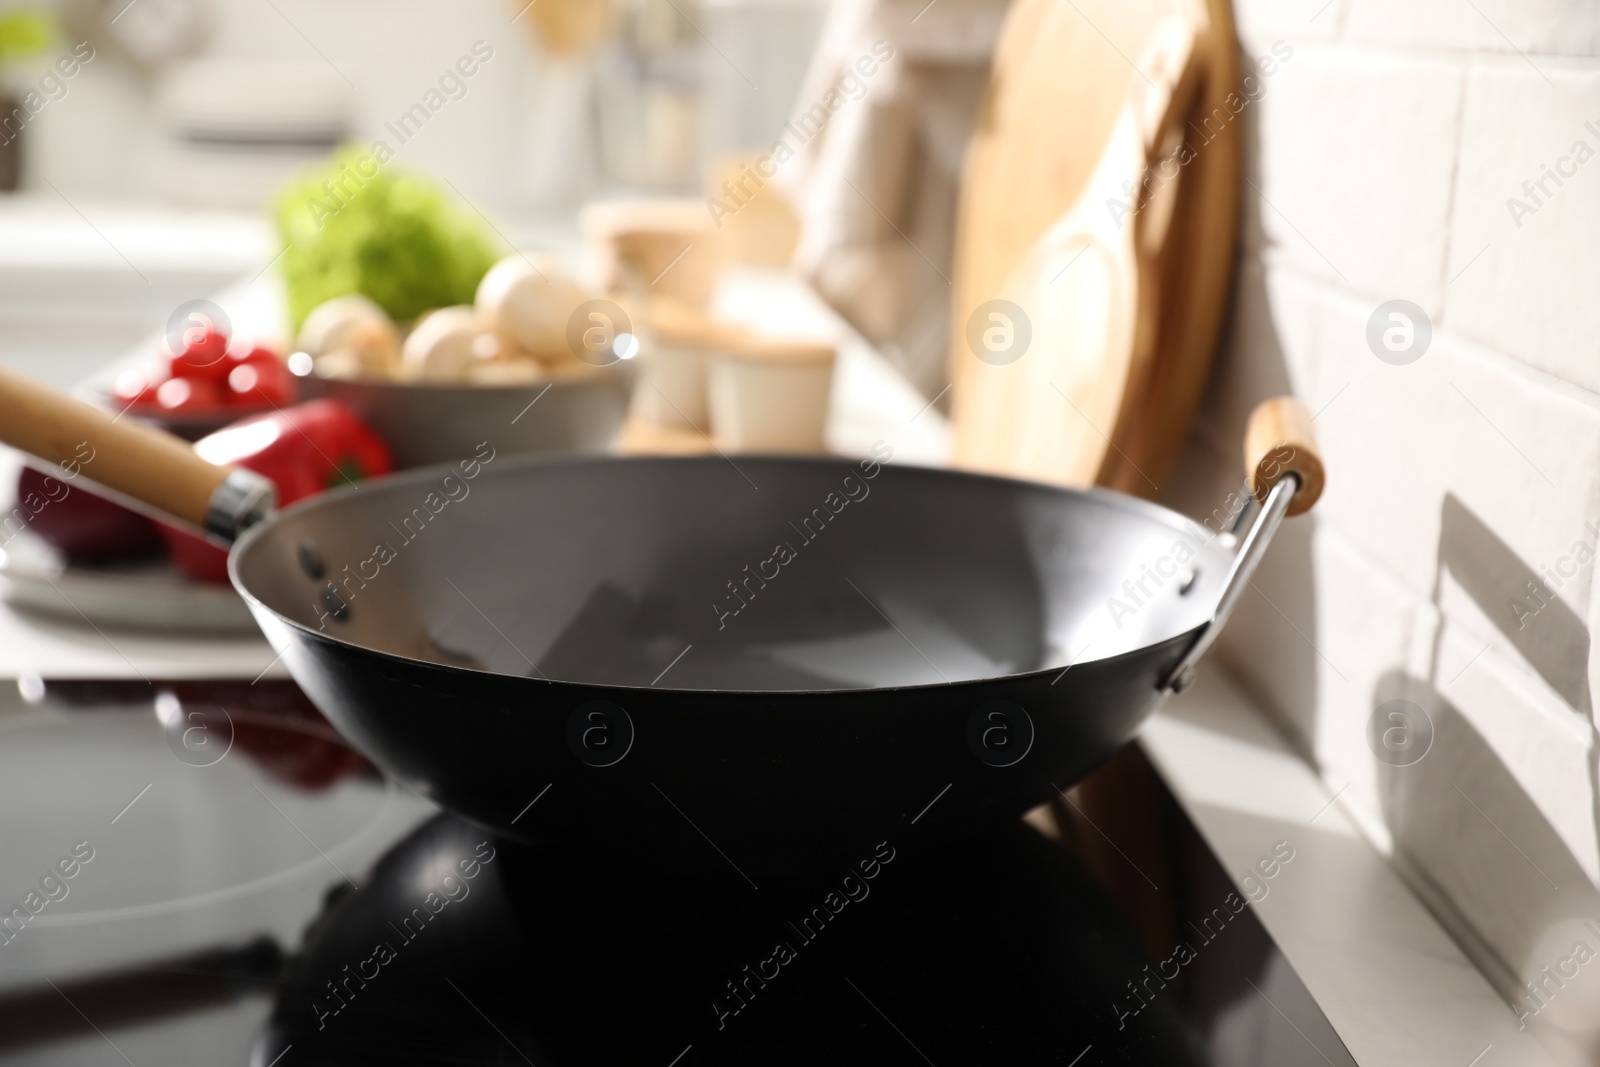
<point>886,108</point>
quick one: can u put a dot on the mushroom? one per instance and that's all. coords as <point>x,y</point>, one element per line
<point>443,346</point>
<point>352,324</point>
<point>529,299</point>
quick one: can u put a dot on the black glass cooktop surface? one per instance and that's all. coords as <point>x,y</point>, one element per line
<point>203,873</point>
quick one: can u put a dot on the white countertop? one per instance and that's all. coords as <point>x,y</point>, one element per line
<point>1396,988</point>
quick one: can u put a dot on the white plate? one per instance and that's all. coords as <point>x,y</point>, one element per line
<point>148,593</point>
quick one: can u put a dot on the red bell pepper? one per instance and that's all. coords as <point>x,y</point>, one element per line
<point>305,450</point>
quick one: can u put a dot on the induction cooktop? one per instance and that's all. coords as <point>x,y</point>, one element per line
<point>205,873</point>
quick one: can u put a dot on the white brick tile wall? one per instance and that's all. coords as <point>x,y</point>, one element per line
<point>1268,347</point>
<point>1258,25</point>
<point>1592,663</point>
<point>1499,814</point>
<point>1544,746</point>
<point>1385,150</point>
<point>1272,642</point>
<point>1321,638</point>
<point>1252,237</point>
<point>1561,27</point>
<point>1526,286</point>
<point>1483,590</point>
<point>1357,169</point>
<point>1459,425</point>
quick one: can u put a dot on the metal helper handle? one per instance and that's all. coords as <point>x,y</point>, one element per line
<point>1245,562</point>
<point>1283,472</point>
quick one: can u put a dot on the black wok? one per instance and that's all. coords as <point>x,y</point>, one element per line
<point>763,665</point>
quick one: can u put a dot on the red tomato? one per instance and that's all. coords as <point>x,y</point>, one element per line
<point>185,396</point>
<point>204,356</point>
<point>258,354</point>
<point>259,377</point>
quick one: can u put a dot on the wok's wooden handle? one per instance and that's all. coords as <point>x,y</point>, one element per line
<point>1280,440</point>
<point>137,461</point>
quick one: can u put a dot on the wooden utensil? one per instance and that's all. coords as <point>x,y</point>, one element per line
<point>566,27</point>
<point>1118,263</point>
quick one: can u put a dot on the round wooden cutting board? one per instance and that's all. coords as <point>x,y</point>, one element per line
<point>1095,240</point>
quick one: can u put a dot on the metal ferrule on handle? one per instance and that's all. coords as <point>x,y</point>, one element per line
<point>243,499</point>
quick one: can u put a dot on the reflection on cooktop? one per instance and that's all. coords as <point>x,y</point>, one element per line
<point>999,951</point>
<point>328,918</point>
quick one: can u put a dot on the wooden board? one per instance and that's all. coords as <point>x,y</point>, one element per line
<point>1087,99</point>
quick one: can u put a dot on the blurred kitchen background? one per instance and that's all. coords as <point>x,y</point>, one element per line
<point>141,184</point>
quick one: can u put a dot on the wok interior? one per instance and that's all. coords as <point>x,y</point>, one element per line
<point>754,575</point>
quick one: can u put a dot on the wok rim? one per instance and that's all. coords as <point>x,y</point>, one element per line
<point>420,475</point>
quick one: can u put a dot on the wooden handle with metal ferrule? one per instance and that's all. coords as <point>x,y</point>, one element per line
<point>139,462</point>
<point>1280,440</point>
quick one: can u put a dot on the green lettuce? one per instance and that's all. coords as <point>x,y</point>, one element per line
<point>359,226</point>
<point>24,32</point>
